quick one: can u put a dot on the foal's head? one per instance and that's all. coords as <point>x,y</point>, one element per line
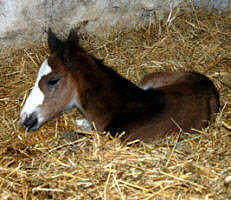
<point>55,88</point>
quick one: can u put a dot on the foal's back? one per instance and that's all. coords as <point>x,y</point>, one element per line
<point>189,100</point>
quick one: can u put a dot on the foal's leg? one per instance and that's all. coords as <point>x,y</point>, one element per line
<point>161,79</point>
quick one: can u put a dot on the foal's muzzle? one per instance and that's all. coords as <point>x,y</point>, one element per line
<point>30,123</point>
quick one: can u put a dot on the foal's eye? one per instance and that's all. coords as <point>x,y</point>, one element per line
<point>53,81</point>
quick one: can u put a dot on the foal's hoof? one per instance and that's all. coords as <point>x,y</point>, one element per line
<point>72,137</point>
<point>84,124</point>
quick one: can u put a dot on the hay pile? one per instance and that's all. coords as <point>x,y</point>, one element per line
<point>43,165</point>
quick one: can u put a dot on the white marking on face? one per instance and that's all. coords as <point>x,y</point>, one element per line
<point>36,96</point>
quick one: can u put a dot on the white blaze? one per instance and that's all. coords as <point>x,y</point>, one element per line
<point>36,96</point>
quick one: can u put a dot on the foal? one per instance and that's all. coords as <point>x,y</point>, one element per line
<point>160,105</point>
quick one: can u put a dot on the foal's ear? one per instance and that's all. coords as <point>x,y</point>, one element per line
<point>73,41</point>
<point>65,49</point>
<point>53,42</point>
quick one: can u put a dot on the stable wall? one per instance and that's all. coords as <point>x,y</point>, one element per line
<point>22,22</point>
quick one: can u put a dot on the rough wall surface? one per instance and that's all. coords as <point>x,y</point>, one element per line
<point>24,21</point>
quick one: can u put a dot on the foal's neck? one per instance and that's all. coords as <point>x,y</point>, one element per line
<point>106,94</point>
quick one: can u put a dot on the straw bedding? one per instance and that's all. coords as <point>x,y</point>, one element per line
<point>46,165</point>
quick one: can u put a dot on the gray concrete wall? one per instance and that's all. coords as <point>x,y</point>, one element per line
<point>22,21</point>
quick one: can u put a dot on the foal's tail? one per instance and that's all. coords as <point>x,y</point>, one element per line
<point>213,100</point>
<point>214,103</point>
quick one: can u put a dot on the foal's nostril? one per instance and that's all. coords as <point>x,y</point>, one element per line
<point>30,123</point>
